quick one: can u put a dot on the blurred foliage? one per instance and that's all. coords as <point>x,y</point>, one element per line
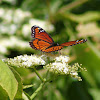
<point>64,20</point>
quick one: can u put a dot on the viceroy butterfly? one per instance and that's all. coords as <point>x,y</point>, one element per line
<point>43,41</point>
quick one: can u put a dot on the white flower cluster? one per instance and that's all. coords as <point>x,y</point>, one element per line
<point>25,61</point>
<point>12,42</point>
<point>13,15</point>
<point>11,19</point>
<point>8,28</point>
<point>60,66</point>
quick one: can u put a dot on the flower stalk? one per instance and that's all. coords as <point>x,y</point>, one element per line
<point>38,89</point>
<point>38,75</point>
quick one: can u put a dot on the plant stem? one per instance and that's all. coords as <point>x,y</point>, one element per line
<point>38,75</point>
<point>38,89</point>
<point>72,5</point>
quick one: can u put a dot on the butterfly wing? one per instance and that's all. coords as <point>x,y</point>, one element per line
<point>39,44</point>
<point>44,46</point>
<point>71,43</point>
<point>39,33</point>
<point>53,48</point>
<point>42,40</point>
<point>59,47</point>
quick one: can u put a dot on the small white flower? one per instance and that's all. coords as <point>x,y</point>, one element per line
<point>24,63</point>
<point>3,28</point>
<point>19,57</point>
<point>13,28</point>
<point>65,70</point>
<point>62,59</point>
<point>74,73</point>
<point>8,15</point>
<point>26,29</point>
<point>1,12</point>
<point>3,50</point>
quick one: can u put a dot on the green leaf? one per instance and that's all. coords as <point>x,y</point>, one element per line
<point>87,57</point>
<point>89,78</point>
<point>20,88</point>
<point>8,81</point>
<point>3,94</point>
<point>95,93</point>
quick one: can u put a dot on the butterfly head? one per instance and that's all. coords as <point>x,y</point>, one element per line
<point>55,44</point>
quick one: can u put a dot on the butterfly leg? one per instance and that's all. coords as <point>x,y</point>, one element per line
<point>59,52</point>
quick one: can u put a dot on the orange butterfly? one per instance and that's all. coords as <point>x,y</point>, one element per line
<point>42,41</point>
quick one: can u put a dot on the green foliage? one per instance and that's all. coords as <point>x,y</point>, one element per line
<point>19,89</point>
<point>7,81</point>
<point>64,20</point>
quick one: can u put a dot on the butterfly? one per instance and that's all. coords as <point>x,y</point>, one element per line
<point>43,41</point>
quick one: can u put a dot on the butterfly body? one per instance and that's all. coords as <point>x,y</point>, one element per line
<point>43,41</point>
